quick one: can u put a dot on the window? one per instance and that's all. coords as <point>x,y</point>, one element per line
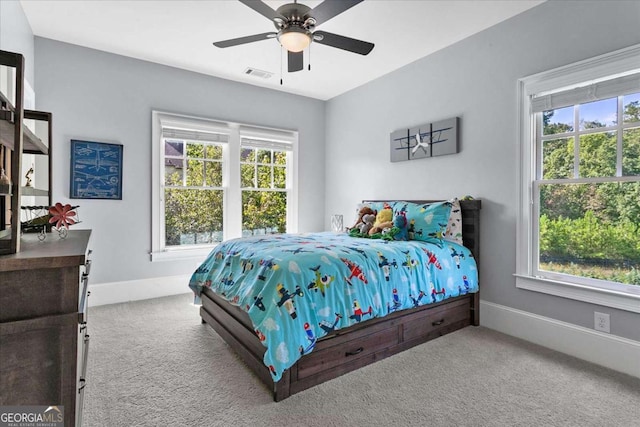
<point>263,174</point>
<point>214,181</point>
<point>579,221</point>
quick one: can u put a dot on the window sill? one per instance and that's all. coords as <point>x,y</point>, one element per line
<point>604,297</point>
<point>181,254</point>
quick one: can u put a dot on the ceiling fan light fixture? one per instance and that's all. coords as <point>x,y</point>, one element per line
<point>294,39</point>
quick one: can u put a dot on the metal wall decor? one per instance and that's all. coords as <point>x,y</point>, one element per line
<point>428,140</point>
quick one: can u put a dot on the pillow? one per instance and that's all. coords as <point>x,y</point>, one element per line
<point>454,225</point>
<point>427,222</point>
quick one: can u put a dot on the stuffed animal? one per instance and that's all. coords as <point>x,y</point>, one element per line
<point>365,210</point>
<point>384,220</point>
<point>400,221</point>
<point>367,223</point>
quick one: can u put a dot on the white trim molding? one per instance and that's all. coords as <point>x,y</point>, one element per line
<point>609,298</point>
<point>237,134</point>
<point>610,351</point>
<point>134,290</point>
<point>598,70</point>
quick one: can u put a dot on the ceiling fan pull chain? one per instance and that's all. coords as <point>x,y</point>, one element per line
<point>309,57</point>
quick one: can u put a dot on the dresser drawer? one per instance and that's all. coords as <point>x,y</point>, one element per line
<point>438,319</point>
<point>331,356</point>
<point>27,294</point>
<point>37,362</point>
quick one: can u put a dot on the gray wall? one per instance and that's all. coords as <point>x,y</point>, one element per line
<point>475,80</point>
<point>99,96</point>
<point>16,35</point>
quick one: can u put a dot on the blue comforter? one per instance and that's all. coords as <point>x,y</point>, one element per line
<point>297,288</point>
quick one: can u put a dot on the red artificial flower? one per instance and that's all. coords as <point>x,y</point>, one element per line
<point>62,215</point>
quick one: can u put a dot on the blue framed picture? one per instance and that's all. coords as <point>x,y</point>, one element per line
<point>96,170</point>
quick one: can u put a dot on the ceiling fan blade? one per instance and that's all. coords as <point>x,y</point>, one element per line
<point>244,40</point>
<point>295,61</point>
<point>342,42</point>
<point>330,8</point>
<point>263,9</point>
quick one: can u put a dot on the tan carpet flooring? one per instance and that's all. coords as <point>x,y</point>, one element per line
<point>152,363</point>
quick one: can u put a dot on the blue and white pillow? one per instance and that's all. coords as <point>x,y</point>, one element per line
<point>426,222</point>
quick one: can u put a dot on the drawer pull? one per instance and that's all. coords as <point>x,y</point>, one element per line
<point>354,352</point>
<point>438,322</point>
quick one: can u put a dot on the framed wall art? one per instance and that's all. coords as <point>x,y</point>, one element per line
<point>96,170</point>
<point>428,140</point>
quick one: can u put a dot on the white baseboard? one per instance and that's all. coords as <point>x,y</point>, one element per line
<point>617,353</point>
<point>133,290</point>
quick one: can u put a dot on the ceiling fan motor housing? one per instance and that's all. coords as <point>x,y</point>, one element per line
<point>297,15</point>
<point>297,27</point>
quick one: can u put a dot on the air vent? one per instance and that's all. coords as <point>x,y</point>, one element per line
<point>258,73</point>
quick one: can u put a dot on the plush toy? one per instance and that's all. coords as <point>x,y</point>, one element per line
<point>365,210</point>
<point>400,222</point>
<point>367,223</point>
<point>384,220</point>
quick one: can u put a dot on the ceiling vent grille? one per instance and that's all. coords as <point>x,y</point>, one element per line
<point>258,73</point>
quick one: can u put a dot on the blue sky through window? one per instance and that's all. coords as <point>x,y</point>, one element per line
<point>603,111</point>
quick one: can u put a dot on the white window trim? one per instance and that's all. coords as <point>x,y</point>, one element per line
<point>231,179</point>
<point>615,63</point>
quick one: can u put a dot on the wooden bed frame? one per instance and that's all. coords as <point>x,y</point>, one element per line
<point>351,348</point>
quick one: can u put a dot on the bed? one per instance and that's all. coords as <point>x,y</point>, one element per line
<point>344,338</point>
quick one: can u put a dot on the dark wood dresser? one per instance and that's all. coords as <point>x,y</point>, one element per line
<point>43,323</point>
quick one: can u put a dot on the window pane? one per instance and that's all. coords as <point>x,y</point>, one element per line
<point>173,148</point>
<point>264,156</point>
<point>172,171</point>
<point>264,177</point>
<point>598,114</point>
<point>557,158</point>
<point>631,152</point>
<point>591,230</point>
<point>213,152</point>
<point>247,155</point>
<point>192,216</point>
<point>264,212</point>
<point>557,121</point>
<point>213,174</point>
<point>195,150</point>
<point>195,172</point>
<point>598,155</point>
<point>248,176</point>
<point>279,177</point>
<point>631,108</point>
<point>280,157</point>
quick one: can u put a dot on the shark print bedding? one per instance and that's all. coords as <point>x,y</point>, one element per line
<point>297,288</point>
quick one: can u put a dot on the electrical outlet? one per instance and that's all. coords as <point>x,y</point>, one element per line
<point>602,322</point>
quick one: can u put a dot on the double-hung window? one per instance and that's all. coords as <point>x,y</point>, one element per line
<point>579,219</point>
<point>215,180</point>
<point>265,191</point>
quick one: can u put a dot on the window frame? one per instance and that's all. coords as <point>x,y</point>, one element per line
<point>232,191</point>
<point>527,276</point>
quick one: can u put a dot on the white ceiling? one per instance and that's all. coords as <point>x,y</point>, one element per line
<point>180,34</point>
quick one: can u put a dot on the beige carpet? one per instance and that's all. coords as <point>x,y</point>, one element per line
<point>151,363</point>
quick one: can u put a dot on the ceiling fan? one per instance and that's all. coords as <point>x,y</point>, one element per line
<point>295,24</point>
